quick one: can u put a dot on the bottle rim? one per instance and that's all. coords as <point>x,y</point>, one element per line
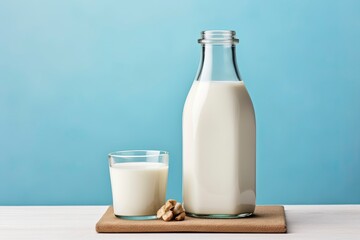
<point>218,37</point>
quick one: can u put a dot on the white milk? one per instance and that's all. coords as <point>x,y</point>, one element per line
<point>218,149</point>
<point>138,188</point>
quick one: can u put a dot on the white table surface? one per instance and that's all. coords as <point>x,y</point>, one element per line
<point>78,222</point>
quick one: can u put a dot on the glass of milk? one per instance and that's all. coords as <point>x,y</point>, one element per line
<point>138,182</point>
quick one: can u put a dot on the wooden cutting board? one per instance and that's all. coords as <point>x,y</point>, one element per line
<point>266,219</point>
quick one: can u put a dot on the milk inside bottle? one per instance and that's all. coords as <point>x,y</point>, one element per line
<point>218,135</point>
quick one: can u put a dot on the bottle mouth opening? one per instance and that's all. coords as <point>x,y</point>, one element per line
<point>218,37</point>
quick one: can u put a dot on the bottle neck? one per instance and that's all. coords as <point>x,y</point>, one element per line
<point>218,63</point>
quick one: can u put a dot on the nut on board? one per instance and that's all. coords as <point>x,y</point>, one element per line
<point>171,210</point>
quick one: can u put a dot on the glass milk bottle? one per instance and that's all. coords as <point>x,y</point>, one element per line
<point>218,135</point>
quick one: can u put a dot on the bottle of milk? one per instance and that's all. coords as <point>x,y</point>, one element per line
<point>218,135</point>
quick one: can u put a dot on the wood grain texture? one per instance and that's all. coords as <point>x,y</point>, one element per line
<point>266,219</point>
<point>77,222</point>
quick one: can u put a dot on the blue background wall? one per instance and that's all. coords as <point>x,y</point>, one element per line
<point>79,79</point>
